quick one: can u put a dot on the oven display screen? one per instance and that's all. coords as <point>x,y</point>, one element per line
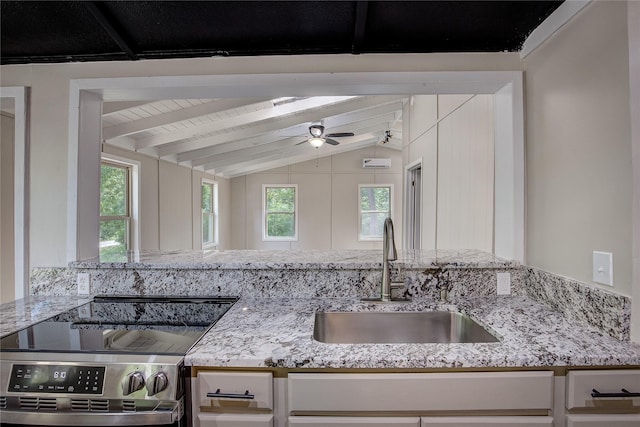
<point>57,379</point>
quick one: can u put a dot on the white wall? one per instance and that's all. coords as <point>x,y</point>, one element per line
<point>327,200</point>
<point>453,135</point>
<point>579,170</point>
<point>7,288</point>
<point>170,204</point>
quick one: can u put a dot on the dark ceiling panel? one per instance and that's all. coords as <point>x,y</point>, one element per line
<point>230,27</point>
<point>59,31</point>
<point>453,26</point>
<point>44,29</point>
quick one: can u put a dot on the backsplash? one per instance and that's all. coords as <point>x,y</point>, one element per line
<point>608,312</point>
<point>353,274</point>
<point>420,284</point>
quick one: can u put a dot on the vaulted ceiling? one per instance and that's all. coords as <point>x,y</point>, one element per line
<point>232,137</point>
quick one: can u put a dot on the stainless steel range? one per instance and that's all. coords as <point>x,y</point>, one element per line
<point>113,361</point>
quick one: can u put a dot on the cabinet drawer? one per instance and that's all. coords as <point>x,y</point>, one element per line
<point>421,392</point>
<point>580,385</point>
<point>235,420</point>
<point>614,420</point>
<point>354,421</point>
<point>258,384</point>
<point>487,421</point>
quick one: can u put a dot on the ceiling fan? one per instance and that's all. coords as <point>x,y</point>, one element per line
<point>318,138</point>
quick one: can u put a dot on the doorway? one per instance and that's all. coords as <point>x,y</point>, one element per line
<point>413,205</point>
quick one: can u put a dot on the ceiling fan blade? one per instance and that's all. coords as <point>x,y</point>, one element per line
<point>302,142</point>
<point>339,134</point>
<point>331,141</point>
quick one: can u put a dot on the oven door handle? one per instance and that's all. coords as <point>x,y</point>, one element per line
<point>68,418</point>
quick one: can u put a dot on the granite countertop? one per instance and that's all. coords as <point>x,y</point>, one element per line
<point>25,312</point>
<point>277,333</point>
<point>303,259</point>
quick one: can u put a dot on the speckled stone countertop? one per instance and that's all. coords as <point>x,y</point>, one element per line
<point>28,311</point>
<point>310,259</point>
<point>277,333</point>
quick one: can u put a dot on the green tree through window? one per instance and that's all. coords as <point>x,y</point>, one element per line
<point>114,211</point>
<point>209,213</point>
<point>280,212</point>
<point>375,206</point>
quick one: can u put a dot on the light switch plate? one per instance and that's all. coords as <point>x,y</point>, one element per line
<point>84,284</point>
<point>603,268</point>
<point>504,283</point>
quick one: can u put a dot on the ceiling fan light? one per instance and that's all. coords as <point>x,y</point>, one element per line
<point>316,130</point>
<point>316,142</point>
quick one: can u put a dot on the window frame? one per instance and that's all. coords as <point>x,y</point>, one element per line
<point>267,238</point>
<point>361,237</point>
<point>135,170</point>
<point>215,214</point>
<point>128,217</point>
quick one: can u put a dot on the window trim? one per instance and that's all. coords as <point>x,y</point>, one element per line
<point>133,196</point>
<point>216,218</point>
<point>266,238</point>
<point>362,238</point>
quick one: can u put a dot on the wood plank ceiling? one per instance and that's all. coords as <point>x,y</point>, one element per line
<point>233,137</point>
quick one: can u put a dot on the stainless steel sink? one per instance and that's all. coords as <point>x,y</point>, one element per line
<point>398,327</point>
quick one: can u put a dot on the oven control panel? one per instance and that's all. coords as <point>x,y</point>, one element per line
<point>72,379</point>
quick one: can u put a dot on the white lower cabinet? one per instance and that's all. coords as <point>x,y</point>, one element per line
<point>602,420</point>
<point>232,399</point>
<point>235,420</point>
<point>499,421</point>
<point>428,399</point>
<point>421,393</point>
<point>354,421</point>
<point>603,398</point>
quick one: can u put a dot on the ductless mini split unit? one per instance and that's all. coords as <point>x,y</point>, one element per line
<point>376,163</point>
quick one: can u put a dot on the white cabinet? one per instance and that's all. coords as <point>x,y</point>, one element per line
<point>468,391</point>
<point>609,420</point>
<point>427,400</point>
<point>354,421</point>
<point>482,421</point>
<point>232,399</point>
<point>596,398</point>
<point>583,385</point>
<point>235,420</point>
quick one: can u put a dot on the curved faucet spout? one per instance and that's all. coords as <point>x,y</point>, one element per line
<point>389,253</point>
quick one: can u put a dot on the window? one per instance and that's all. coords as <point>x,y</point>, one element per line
<point>115,211</point>
<point>280,215</point>
<point>209,213</point>
<point>374,207</point>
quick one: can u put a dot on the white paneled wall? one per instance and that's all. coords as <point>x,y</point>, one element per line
<point>453,136</point>
<point>6,209</point>
<point>327,199</point>
<point>170,204</point>
<point>465,176</point>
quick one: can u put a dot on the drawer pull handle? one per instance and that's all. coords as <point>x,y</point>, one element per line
<point>625,393</point>
<point>246,395</point>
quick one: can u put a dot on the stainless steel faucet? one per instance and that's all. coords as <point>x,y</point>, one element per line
<point>389,253</point>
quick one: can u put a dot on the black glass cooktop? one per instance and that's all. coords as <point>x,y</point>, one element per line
<point>141,325</point>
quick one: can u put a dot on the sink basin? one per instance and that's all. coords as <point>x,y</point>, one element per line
<point>398,327</point>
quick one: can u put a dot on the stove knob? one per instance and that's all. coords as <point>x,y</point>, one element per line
<point>158,382</point>
<point>133,382</point>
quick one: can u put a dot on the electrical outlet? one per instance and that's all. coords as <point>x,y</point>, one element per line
<point>84,284</point>
<point>603,268</point>
<point>504,283</point>
<point>84,312</point>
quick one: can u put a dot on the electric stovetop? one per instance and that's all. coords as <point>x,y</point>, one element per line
<point>134,325</point>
